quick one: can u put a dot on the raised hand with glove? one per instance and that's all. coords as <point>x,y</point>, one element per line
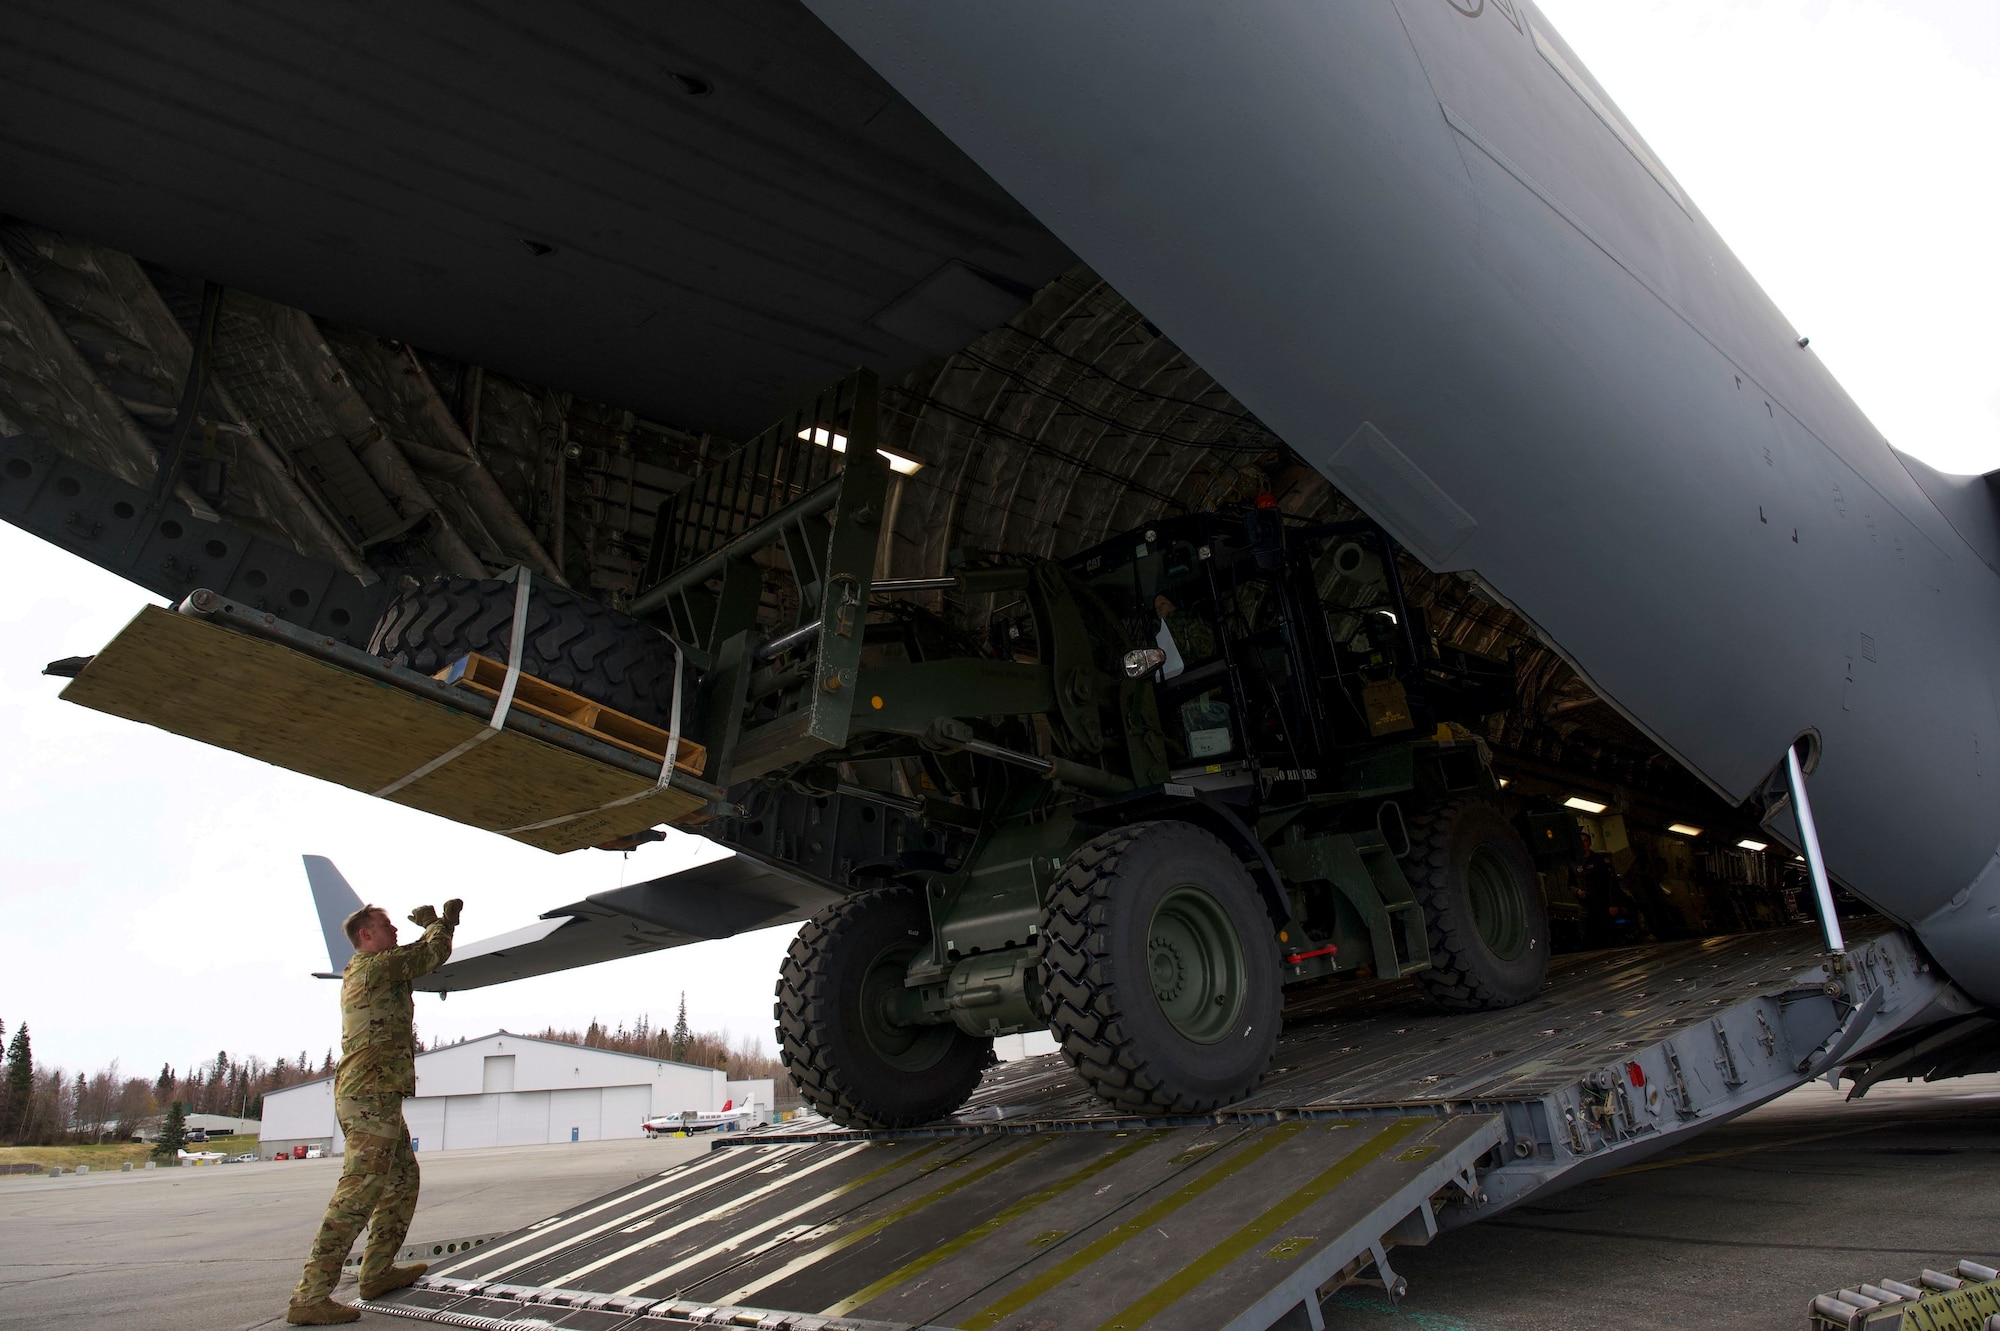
<point>425,916</point>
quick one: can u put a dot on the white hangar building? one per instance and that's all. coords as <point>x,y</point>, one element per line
<point>514,1090</point>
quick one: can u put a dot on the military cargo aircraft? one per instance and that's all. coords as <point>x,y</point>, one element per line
<point>305,312</point>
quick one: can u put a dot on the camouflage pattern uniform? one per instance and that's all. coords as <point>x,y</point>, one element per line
<point>1194,637</point>
<point>378,1185</point>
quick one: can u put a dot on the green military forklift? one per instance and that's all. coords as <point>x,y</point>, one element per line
<point>1126,796</point>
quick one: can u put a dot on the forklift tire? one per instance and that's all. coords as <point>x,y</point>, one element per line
<point>573,643</point>
<point>1484,914</point>
<point>1159,970</point>
<point>848,1056</point>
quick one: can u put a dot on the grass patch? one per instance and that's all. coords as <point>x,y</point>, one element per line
<point>108,1156</point>
<point>111,1155</point>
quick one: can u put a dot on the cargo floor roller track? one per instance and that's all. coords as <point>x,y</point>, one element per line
<point>1030,1208</point>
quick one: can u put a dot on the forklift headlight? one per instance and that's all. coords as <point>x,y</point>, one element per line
<point>1143,660</point>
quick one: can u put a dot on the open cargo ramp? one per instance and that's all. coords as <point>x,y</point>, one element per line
<point>1032,1207</point>
<point>1235,1224</point>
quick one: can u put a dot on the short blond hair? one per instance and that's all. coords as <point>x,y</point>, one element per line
<point>351,926</point>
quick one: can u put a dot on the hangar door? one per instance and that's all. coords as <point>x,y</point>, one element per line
<point>524,1118</point>
<point>625,1108</point>
<point>426,1121</point>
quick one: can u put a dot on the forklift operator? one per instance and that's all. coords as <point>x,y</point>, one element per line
<point>1187,639</point>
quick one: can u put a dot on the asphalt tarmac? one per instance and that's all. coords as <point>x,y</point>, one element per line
<point>1739,1228</point>
<point>220,1246</point>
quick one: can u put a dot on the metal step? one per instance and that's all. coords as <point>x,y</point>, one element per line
<point>1385,1121</point>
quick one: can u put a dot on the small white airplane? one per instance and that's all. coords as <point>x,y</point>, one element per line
<point>188,1157</point>
<point>727,1118</point>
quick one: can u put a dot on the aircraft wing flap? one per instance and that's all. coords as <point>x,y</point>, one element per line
<point>714,900</point>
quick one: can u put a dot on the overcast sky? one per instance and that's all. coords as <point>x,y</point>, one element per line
<point>154,905</point>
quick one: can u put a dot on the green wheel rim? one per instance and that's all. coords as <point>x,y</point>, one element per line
<point>1498,912</point>
<point>904,1046</point>
<point>1195,963</point>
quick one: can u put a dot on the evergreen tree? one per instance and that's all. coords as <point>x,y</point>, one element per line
<point>682,1035</point>
<point>173,1132</point>
<point>164,1087</point>
<point>76,1107</point>
<point>20,1082</point>
<point>218,1084</point>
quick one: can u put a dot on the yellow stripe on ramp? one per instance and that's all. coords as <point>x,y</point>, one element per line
<point>1169,1292</point>
<point>1139,1224</point>
<point>999,1221</point>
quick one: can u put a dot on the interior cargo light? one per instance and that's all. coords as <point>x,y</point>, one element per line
<point>1685,829</point>
<point>1503,783</point>
<point>1751,845</point>
<point>826,438</point>
<point>1582,805</point>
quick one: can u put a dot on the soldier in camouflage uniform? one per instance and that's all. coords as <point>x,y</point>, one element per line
<point>378,1185</point>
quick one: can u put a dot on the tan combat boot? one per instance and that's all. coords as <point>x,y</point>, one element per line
<point>395,1278</point>
<point>324,1313</point>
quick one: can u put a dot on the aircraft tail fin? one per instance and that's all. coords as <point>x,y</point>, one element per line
<point>335,901</point>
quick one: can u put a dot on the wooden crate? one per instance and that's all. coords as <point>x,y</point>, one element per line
<point>485,676</point>
<point>281,706</point>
